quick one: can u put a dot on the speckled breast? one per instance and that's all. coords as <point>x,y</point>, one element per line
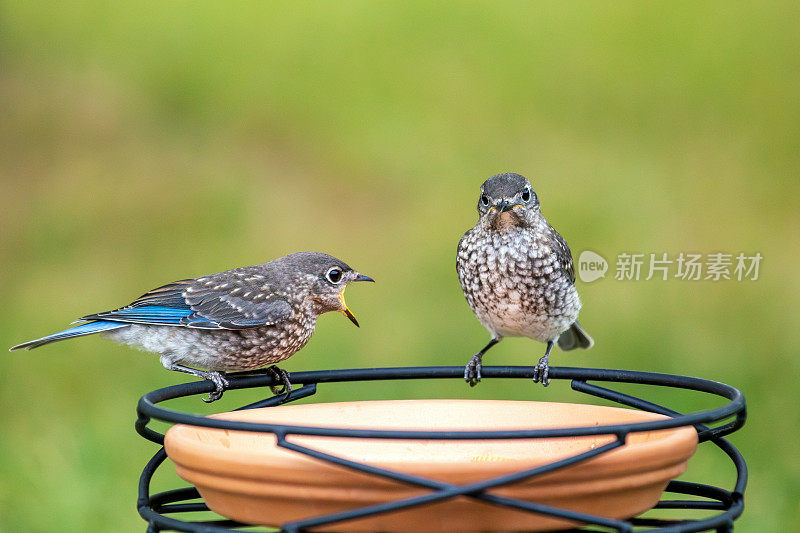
<point>258,347</point>
<point>515,285</point>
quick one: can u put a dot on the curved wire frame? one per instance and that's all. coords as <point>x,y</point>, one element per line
<point>729,504</point>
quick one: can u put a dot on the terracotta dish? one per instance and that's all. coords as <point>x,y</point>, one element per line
<point>246,477</point>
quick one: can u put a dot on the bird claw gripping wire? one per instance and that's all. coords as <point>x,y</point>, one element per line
<point>281,375</point>
<point>541,372</point>
<point>220,382</point>
<point>472,372</point>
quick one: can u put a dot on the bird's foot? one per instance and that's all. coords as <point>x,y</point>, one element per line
<point>220,382</point>
<point>472,372</point>
<point>541,371</point>
<point>281,375</point>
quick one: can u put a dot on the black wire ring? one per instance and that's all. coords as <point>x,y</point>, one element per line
<point>153,507</point>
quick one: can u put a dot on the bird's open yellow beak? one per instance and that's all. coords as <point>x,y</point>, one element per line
<point>346,311</point>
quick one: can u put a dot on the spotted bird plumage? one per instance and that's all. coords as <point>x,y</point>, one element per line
<point>517,274</point>
<point>240,319</point>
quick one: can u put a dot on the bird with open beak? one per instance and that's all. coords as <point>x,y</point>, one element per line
<point>240,319</point>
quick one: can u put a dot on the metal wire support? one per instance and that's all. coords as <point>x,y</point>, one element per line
<point>728,504</point>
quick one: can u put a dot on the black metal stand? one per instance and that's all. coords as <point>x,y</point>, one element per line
<point>728,504</point>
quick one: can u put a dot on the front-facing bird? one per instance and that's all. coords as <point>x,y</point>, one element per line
<point>240,319</point>
<point>517,274</point>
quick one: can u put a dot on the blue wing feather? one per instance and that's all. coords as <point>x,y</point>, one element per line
<point>164,306</point>
<point>154,314</point>
<point>200,307</point>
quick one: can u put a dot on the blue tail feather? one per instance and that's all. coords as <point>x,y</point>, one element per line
<point>78,331</point>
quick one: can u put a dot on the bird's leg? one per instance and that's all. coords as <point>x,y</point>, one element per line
<point>542,369</point>
<point>281,375</point>
<point>218,378</point>
<point>472,372</point>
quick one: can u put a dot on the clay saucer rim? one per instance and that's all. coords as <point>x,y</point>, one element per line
<point>192,453</point>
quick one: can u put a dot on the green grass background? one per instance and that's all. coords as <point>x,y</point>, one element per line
<point>144,142</point>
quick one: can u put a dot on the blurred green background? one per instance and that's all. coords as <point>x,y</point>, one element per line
<point>148,142</point>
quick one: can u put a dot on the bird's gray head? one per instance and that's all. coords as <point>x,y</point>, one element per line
<point>325,278</point>
<point>507,200</point>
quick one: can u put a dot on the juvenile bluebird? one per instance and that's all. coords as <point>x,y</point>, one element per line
<point>517,274</point>
<point>240,319</point>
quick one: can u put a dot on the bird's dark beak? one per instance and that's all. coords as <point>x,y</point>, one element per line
<point>362,277</point>
<point>504,206</point>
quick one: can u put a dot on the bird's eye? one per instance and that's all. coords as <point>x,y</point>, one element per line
<point>484,199</point>
<point>526,195</point>
<point>334,275</point>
